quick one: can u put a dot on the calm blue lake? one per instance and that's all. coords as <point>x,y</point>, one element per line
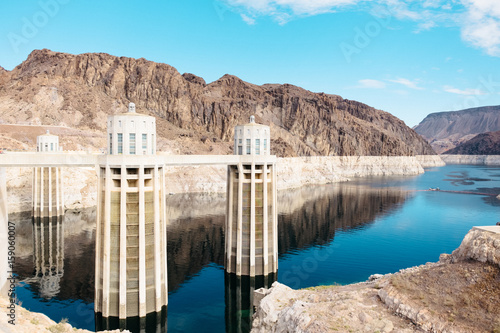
<point>339,233</point>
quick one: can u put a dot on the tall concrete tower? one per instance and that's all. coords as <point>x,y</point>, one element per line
<point>48,194</point>
<point>131,238</point>
<point>251,220</point>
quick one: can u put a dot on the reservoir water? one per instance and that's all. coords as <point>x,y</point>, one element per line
<point>329,234</point>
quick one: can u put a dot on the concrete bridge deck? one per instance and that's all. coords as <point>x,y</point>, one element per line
<point>72,159</point>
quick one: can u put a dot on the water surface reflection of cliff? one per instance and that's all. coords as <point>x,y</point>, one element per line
<point>307,216</point>
<point>311,215</point>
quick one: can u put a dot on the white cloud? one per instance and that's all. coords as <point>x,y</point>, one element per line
<point>478,20</point>
<point>373,84</point>
<point>407,83</point>
<point>466,92</point>
<point>247,19</point>
<point>297,7</point>
<point>482,25</point>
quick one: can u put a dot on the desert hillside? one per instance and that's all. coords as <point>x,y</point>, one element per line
<point>446,130</point>
<point>79,91</point>
<point>482,144</point>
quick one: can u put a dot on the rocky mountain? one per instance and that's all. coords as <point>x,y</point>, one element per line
<point>446,130</point>
<point>79,91</point>
<point>481,144</point>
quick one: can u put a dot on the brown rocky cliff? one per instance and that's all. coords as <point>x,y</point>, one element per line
<point>53,88</point>
<point>482,144</point>
<point>446,130</point>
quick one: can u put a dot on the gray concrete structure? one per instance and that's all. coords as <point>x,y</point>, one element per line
<point>48,196</point>
<point>73,159</point>
<point>251,241</point>
<point>131,237</point>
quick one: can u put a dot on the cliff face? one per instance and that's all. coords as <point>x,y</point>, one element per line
<point>446,130</point>
<point>482,144</point>
<point>52,88</point>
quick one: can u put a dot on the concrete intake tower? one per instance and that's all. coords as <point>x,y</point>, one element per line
<point>251,219</point>
<point>131,238</point>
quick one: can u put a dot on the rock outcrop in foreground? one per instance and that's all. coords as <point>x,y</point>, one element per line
<point>31,322</point>
<point>460,293</point>
<point>79,91</point>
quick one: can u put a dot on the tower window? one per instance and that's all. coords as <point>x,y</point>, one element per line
<point>120,143</point>
<point>110,144</point>
<point>152,144</point>
<point>248,146</point>
<point>132,143</point>
<point>240,150</point>
<point>144,142</point>
<point>265,144</point>
<point>257,146</point>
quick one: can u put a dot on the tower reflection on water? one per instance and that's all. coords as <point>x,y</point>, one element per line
<point>48,254</point>
<point>48,221</point>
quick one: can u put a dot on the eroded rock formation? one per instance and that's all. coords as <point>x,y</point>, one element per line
<point>51,88</point>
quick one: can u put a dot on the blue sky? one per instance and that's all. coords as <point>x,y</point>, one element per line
<point>407,57</point>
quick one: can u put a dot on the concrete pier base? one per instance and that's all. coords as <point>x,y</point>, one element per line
<point>153,322</point>
<point>131,240</point>
<point>239,297</point>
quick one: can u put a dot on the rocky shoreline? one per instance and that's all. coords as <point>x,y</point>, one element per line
<point>293,172</point>
<point>459,293</point>
<point>471,159</point>
<point>30,322</point>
